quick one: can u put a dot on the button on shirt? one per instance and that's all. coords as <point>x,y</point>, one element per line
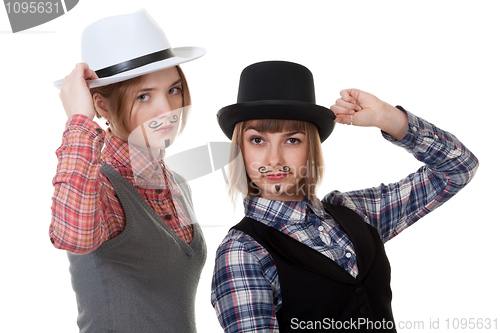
<point>245,286</point>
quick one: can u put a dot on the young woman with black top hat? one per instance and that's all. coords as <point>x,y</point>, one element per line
<point>295,263</point>
<point>127,221</point>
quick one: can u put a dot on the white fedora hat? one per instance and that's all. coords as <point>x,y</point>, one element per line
<point>122,47</point>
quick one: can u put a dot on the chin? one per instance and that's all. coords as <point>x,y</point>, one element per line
<point>287,192</point>
<point>161,141</point>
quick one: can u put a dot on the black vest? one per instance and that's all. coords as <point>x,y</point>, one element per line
<point>320,296</point>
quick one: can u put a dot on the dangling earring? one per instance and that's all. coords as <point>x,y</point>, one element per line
<point>107,122</point>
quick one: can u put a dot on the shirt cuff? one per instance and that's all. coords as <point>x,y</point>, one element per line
<point>410,139</point>
<point>82,136</point>
<point>82,124</point>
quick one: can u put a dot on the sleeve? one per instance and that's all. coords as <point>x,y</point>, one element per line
<point>449,166</point>
<point>76,223</point>
<point>242,292</point>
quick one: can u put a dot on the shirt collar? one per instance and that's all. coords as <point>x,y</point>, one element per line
<point>274,211</point>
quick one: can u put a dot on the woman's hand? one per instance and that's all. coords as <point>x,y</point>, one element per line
<point>75,92</point>
<point>359,108</point>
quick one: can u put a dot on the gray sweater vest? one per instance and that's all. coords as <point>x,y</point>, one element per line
<point>143,280</point>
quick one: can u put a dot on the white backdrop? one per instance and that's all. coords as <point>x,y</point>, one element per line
<point>439,59</point>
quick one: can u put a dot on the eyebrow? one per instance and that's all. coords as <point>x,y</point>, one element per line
<point>151,89</point>
<point>293,133</point>
<point>176,82</point>
<point>284,134</point>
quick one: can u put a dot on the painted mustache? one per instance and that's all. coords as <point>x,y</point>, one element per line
<point>263,170</point>
<point>154,124</point>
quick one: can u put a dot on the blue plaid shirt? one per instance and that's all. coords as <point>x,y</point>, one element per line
<point>245,287</point>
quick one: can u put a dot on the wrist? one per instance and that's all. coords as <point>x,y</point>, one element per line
<point>394,121</point>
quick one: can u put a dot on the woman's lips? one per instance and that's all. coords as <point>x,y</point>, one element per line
<point>276,176</point>
<point>165,129</point>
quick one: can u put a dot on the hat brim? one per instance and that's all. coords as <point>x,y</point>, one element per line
<point>323,118</point>
<point>182,55</point>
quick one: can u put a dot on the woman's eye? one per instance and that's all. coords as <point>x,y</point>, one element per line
<point>256,141</point>
<point>293,141</point>
<point>143,97</point>
<point>175,90</point>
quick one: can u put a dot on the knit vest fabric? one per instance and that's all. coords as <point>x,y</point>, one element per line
<point>143,280</point>
<point>320,296</point>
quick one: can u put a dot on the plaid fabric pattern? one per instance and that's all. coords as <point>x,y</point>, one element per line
<point>85,208</point>
<point>309,225</point>
<point>245,286</point>
<point>449,166</point>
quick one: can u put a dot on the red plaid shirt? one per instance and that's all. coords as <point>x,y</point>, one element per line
<point>85,208</point>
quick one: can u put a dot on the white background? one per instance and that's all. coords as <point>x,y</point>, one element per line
<point>439,59</point>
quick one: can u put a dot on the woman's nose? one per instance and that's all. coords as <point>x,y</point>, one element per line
<point>274,156</point>
<point>166,106</point>
<point>163,109</point>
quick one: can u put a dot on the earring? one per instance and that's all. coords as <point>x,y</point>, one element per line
<point>107,122</point>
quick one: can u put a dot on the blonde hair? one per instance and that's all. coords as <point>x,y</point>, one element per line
<point>121,95</point>
<point>238,180</point>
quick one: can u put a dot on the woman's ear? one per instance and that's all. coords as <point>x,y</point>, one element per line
<point>101,105</point>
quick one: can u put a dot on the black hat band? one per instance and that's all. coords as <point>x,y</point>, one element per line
<point>135,63</point>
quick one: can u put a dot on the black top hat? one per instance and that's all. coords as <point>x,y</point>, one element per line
<point>276,90</point>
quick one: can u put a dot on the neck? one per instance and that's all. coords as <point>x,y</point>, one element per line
<point>153,153</point>
<point>283,197</point>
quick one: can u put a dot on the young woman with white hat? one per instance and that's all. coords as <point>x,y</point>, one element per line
<point>295,263</point>
<point>127,222</point>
